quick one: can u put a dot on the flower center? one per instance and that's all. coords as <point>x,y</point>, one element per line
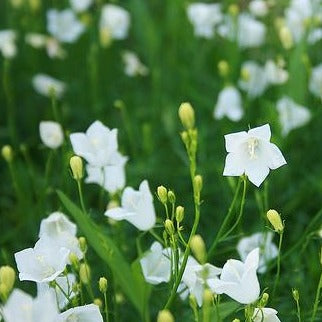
<point>252,146</point>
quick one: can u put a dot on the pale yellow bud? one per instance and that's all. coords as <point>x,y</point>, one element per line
<point>296,294</point>
<point>263,301</point>
<point>84,273</point>
<point>171,196</point>
<point>98,302</point>
<point>223,68</point>
<point>198,248</point>
<point>286,37</point>
<point>82,244</point>
<point>244,74</point>
<point>236,320</point>
<point>76,165</point>
<point>7,277</point>
<point>165,316</point>
<point>4,291</point>
<point>168,225</point>
<point>208,297</point>
<point>7,153</point>
<point>179,214</point>
<point>233,10</point>
<point>198,182</point>
<point>105,37</point>
<point>34,5</point>
<point>162,194</point>
<point>275,219</point>
<point>102,284</point>
<point>187,115</point>
<point>74,261</point>
<point>112,204</point>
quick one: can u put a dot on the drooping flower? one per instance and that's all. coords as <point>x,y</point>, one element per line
<point>315,83</point>
<point>136,207</point>
<point>80,5</point>
<point>267,249</point>
<point>48,86</point>
<point>8,46</point>
<point>51,134</point>
<point>229,104</point>
<point>265,314</point>
<point>258,8</point>
<point>274,74</point>
<point>252,153</point>
<point>64,26</point>
<point>85,313</point>
<point>156,264</point>
<point>291,115</point>
<point>238,279</point>
<point>133,65</point>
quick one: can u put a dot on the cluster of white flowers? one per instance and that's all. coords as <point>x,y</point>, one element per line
<point>8,46</point>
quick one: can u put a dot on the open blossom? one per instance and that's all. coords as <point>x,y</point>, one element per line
<point>258,8</point>
<point>43,263</point>
<point>51,134</point>
<point>204,17</point>
<point>133,65</point>
<point>265,314</point>
<point>156,264</point>
<point>267,249</point>
<point>253,154</point>
<point>80,5</point>
<point>291,114</point>
<point>315,83</point>
<point>229,104</point>
<point>8,46</point>
<point>136,207</point>
<point>274,74</point>
<point>115,20</point>
<point>85,313</point>
<point>48,86</point>
<point>64,26</point>
<point>238,279</point>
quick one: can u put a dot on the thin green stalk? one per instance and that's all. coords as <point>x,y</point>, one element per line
<point>105,307</point>
<point>62,290</point>
<point>298,308</point>
<point>80,193</point>
<point>278,263</point>
<point>317,299</point>
<point>159,239</point>
<point>54,107</point>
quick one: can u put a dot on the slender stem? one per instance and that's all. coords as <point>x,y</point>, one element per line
<point>317,299</point>
<point>105,307</point>
<point>80,192</point>
<point>54,106</point>
<point>278,263</point>
<point>62,290</point>
<point>159,239</point>
<point>298,310</point>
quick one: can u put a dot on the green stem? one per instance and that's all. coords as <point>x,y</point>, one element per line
<point>317,299</point>
<point>278,263</point>
<point>80,193</point>
<point>152,232</point>
<point>298,310</point>
<point>54,107</point>
<point>105,307</point>
<point>62,290</point>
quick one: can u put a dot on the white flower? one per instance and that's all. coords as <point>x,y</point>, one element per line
<point>8,46</point>
<point>251,153</point>
<point>314,36</point>
<point>250,32</point>
<point>258,8</point>
<point>115,20</point>
<point>133,65</point>
<point>255,83</point>
<point>21,307</point>
<point>204,17</point>
<point>48,86</point>
<point>137,207</point>
<point>43,263</point>
<point>265,314</point>
<point>274,74</point>
<point>315,84</point>
<point>239,280</point>
<point>97,146</point>
<point>110,177</point>
<point>80,5</point>
<point>227,28</point>
<point>51,134</point>
<point>64,26</point>
<point>156,264</point>
<point>229,104</point>
<point>86,313</point>
<point>263,241</point>
<point>291,115</point>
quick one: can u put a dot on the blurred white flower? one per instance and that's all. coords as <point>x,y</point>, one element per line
<point>274,74</point>
<point>204,17</point>
<point>263,241</point>
<point>8,46</point>
<point>48,86</point>
<point>239,280</point>
<point>156,264</point>
<point>314,36</point>
<point>51,134</point>
<point>97,146</point>
<point>133,65</point>
<point>64,26</point>
<point>43,263</point>
<point>227,28</point>
<point>21,307</point>
<point>315,84</point>
<point>115,21</point>
<point>250,32</point>
<point>137,207</point>
<point>253,81</point>
<point>110,177</point>
<point>80,5</point>
<point>291,115</point>
<point>86,313</point>
<point>251,153</point>
<point>265,314</point>
<point>229,104</point>
<point>258,8</point>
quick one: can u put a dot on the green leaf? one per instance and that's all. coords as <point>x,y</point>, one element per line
<point>109,252</point>
<point>225,310</point>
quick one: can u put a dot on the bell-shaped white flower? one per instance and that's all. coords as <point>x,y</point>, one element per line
<point>64,26</point>
<point>21,307</point>
<point>110,177</point>
<point>86,313</point>
<point>133,65</point>
<point>8,46</point>
<point>97,146</point>
<point>80,5</point>
<point>315,83</point>
<point>267,249</point>
<point>250,32</point>
<point>137,207</point>
<point>229,104</point>
<point>274,74</point>
<point>43,263</point>
<point>156,264</point>
<point>51,134</point>
<point>258,8</point>
<point>252,153</point>
<point>115,20</point>
<point>265,314</point>
<point>291,115</point>
<point>238,279</point>
<point>48,86</point>
<point>204,17</point>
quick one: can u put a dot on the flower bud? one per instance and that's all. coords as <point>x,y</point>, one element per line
<point>198,248</point>
<point>162,194</point>
<point>168,225</point>
<point>187,116</point>
<point>275,219</point>
<point>102,284</point>
<point>198,182</point>
<point>244,74</point>
<point>165,316</point>
<point>179,214</point>
<point>236,320</point>
<point>296,294</point>
<point>84,273</point>
<point>208,297</point>
<point>7,153</point>
<point>223,68</point>
<point>184,137</point>
<point>82,244</point>
<point>98,302</point>
<point>286,37</point>
<point>76,165</point>
<point>4,292</point>
<point>233,10</point>
<point>34,5</point>
<point>7,277</point>
<point>263,301</point>
<point>74,261</point>
<point>105,37</point>
<point>192,302</point>
<point>171,196</point>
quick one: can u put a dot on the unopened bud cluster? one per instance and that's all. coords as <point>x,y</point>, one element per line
<point>275,219</point>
